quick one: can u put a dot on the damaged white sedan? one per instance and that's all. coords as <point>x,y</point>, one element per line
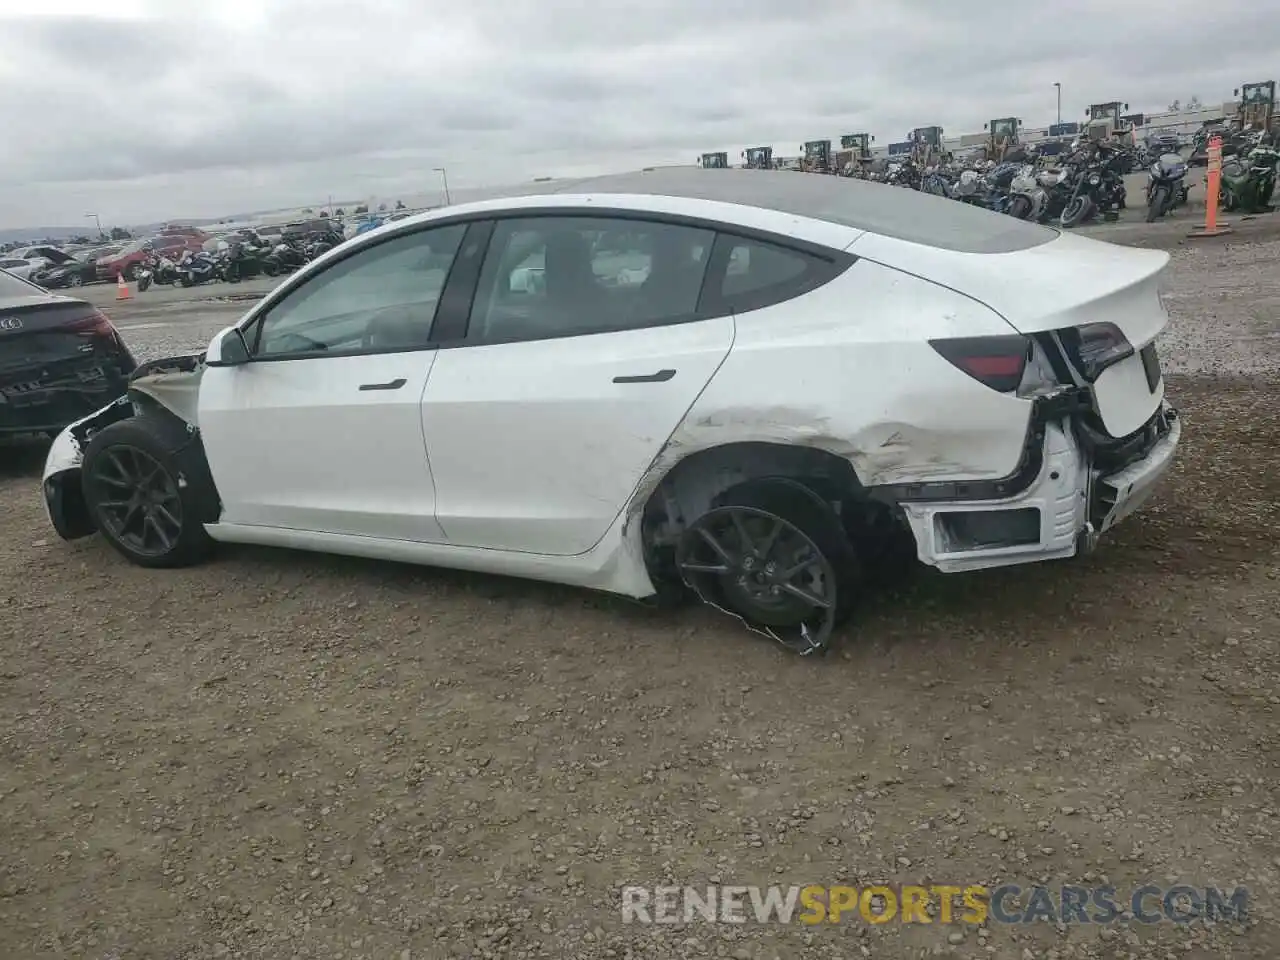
<point>750,384</point>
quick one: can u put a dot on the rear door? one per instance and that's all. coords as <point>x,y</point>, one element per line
<point>582,352</point>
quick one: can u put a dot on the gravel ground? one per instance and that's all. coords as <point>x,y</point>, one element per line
<point>280,755</point>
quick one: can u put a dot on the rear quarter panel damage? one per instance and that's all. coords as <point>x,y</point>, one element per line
<point>847,369</point>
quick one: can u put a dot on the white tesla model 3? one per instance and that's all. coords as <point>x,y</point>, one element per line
<point>745,383</point>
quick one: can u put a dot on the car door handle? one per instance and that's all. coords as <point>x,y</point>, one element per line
<point>389,385</point>
<point>662,376</point>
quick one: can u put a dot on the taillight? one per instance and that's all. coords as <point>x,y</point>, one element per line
<point>95,323</point>
<point>1094,347</point>
<point>997,362</point>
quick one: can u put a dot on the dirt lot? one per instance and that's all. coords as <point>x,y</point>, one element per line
<point>283,755</point>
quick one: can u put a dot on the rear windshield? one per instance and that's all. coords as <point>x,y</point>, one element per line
<point>11,287</point>
<point>890,211</point>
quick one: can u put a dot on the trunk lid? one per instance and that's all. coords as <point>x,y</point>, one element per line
<point>1070,282</point>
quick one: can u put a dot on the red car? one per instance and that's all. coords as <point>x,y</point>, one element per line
<point>125,263</point>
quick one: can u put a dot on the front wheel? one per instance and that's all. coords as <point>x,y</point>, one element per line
<point>1155,206</point>
<point>146,487</point>
<point>1079,209</point>
<point>1020,206</point>
<point>144,283</point>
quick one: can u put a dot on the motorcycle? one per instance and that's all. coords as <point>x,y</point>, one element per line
<point>998,185</point>
<point>194,269</point>
<point>1098,185</point>
<point>241,261</point>
<point>937,183</point>
<point>285,257</point>
<point>1028,199</point>
<point>1249,180</point>
<point>1165,187</point>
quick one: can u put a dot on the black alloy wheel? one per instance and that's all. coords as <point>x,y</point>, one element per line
<point>137,501</point>
<point>767,568</point>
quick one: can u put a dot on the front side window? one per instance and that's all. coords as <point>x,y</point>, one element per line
<point>382,298</point>
<point>572,276</point>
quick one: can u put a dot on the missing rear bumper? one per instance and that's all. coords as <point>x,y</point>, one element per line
<point>1078,494</point>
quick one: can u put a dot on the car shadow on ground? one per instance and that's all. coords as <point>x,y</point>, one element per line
<point>916,602</point>
<point>22,456</point>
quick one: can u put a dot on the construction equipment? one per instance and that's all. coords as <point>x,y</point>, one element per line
<point>1106,121</point>
<point>926,146</point>
<point>758,158</point>
<point>816,156</point>
<point>859,144</point>
<point>1002,137</point>
<point>714,161</point>
<point>1257,109</point>
<point>855,154</point>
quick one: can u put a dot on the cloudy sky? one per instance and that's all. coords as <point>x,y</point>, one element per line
<point>139,110</point>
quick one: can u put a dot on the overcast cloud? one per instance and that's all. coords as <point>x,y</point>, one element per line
<point>207,109</point>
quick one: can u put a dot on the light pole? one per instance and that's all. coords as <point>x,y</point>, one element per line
<point>444,179</point>
<point>96,221</point>
<point>1059,87</point>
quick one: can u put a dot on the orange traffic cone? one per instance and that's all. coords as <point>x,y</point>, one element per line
<point>1213,227</point>
<point>122,288</point>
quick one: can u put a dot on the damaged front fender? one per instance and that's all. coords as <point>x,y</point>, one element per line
<point>171,383</point>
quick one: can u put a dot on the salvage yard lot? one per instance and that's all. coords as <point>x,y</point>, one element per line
<point>290,755</point>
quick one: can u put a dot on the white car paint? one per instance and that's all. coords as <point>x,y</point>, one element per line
<point>580,440</point>
<point>528,459</point>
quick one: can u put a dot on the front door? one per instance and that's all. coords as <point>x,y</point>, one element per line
<point>583,352</point>
<point>322,430</point>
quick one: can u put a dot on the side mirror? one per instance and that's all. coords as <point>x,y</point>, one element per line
<point>228,349</point>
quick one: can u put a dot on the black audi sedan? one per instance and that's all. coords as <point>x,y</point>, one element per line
<point>60,359</point>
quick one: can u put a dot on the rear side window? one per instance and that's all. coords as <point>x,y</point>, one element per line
<point>759,274</point>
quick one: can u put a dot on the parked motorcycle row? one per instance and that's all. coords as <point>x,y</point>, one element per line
<point>1084,184</point>
<point>1087,182</point>
<point>239,259</point>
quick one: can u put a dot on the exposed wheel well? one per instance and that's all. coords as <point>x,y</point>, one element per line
<point>695,485</point>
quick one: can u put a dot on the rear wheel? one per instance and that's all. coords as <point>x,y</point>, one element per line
<point>775,556</point>
<point>145,484</point>
<point>74,280</point>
